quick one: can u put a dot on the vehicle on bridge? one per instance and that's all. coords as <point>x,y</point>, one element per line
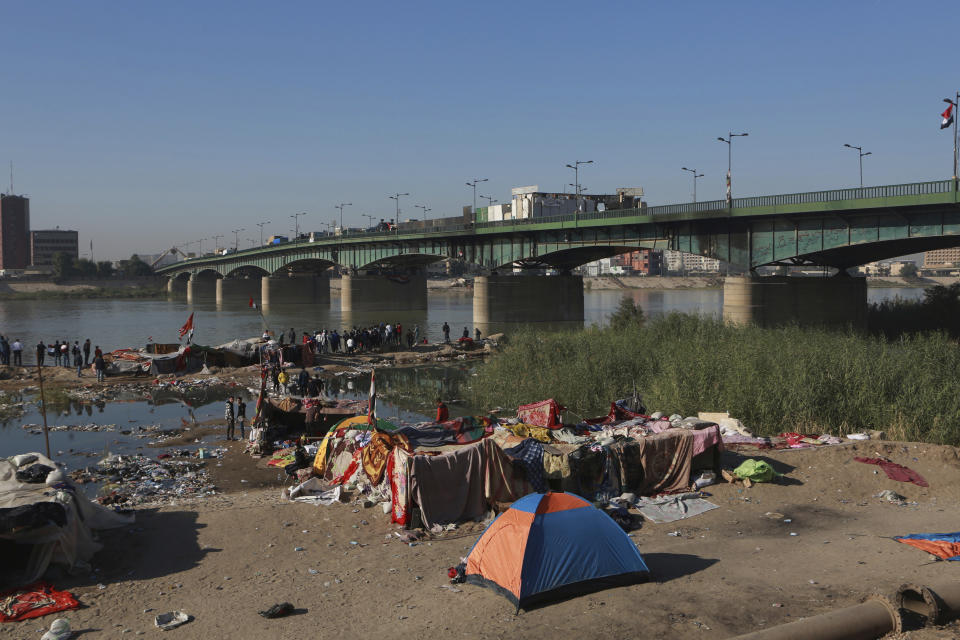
<point>278,240</point>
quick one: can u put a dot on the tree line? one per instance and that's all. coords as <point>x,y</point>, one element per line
<point>66,266</point>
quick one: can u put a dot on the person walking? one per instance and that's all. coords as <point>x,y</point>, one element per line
<point>86,352</point>
<point>228,417</point>
<point>241,415</point>
<point>443,414</point>
<point>17,350</point>
<point>446,333</point>
<point>100,365</point>
<point>41,352</point>
<point>65,353</point>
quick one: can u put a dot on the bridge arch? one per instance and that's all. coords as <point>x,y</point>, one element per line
<point>315,266</point>
<point>247,271</point>
<point>403,262</point>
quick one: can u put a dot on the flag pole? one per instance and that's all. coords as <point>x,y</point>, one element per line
<point>955,117</point>
<point>43,408</point>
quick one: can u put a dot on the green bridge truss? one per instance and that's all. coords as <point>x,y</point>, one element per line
<point>838,228</point>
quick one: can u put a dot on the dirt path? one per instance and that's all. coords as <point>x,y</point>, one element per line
<point>728,571</point>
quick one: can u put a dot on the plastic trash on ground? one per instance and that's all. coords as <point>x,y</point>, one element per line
<point>171,620</point>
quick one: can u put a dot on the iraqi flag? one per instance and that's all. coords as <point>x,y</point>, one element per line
<point>947,117</point>
<point>372,399</point>
<point>187,329</point>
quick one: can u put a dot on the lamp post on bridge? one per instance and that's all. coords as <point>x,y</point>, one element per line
<point>216,243</point>
<point>859,151</point>
<point>955,103</point>
<point>369,218</point>
<point>296,225</point>
<point>474,184</point>
<point>396,198</point>
<point>695,176</point>
<point>236,240</point>
<point>576,178</point>
<point>425,209</point>
<point>261,225</point>
<point>490,200</point>
<point>729,141</point>
<point>341,206</point>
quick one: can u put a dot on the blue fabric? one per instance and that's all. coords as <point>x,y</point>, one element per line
<point>529,454</point>
<point>528,503</point>
<point>575,545</point>
<point>941,537</point>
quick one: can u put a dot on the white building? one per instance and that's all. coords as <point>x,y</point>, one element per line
<point>680,262</point>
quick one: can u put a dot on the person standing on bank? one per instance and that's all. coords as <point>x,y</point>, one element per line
<point>17,350</point>
<point>446,333</point>
<point>228,417</point>
<point>41,352</point>
<point>78,359</point>
<point>241,415</point>
<point>86,352</point>
<point>101,366</point>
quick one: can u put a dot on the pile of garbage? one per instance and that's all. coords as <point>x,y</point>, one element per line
<point>92,427</point>
<point>130,480</point>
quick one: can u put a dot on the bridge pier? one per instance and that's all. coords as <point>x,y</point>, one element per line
<point>201,288</point>
<point>237,290</point>
<point>552,299</point>
<point>777,300</point>
<point>301,288</point>
<point>176,286</point>
<point>383,293</point>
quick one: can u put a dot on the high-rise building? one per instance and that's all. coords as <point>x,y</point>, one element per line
<point>648,262</point>
<point>942,257</point>
<point>14,232</point>
<point>46,243</point>
<point>680,262</point>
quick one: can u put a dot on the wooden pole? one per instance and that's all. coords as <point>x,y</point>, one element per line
<point>43,409</point>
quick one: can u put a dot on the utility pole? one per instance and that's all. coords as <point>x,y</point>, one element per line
<point>261,224</point>
<point>341,206</point>
<point>956,106</point>
<point>473,184</point>
<point>695,176</point>
<point>729,141</point>
<point>576,178</point>
<point>396,198</point>
<point>860,151</point>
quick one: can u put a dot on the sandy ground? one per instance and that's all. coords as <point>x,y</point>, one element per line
<point>728,571</point>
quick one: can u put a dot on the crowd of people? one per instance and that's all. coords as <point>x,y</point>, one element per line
<point>59,353</point>
<point>358,339</point>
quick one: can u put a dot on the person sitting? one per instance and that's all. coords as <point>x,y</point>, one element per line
<point>443,414</point>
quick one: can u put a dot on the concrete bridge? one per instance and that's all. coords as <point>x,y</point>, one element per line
<point>384,270</point>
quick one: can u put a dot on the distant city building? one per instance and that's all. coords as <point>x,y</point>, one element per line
<point>680,262</point>
<point>46,243</point>
<point>14,232</point>
<point>646,262</point>
<point>875,269</point>
<point>530,202</point>
<point>942,258</point>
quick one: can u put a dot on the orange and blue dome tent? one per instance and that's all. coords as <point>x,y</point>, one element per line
<point>552,545</point>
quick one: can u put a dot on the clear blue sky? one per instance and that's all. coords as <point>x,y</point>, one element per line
<point>148,124</point>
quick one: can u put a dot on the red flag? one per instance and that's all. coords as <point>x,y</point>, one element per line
<point>372,400</point>
<point>947,117</point>
<point>188,327</point>
<point>253,305</point>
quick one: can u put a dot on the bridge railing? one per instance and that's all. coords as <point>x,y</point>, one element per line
<point>858,193</point>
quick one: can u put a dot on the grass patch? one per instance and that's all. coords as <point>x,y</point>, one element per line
<point>775,380</point>
<point>91,293</point>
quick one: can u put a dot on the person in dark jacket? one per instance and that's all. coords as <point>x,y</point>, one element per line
<point>241,415</point>
<point>100,365</point>
<point>41,352</point>
<point>228,416</point>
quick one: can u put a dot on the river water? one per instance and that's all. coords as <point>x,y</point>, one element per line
<point>115,324</point>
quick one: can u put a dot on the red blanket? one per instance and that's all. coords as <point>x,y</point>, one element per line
<point>896,471</point>
<point>33,601</point>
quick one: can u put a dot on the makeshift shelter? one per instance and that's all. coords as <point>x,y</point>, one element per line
<point>43,519</point>
<point>552,545</point>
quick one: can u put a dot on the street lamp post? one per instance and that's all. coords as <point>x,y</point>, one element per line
<point>956,106</point>
<point>236,239</point>
<point>261,225</point>
<point>576,178</point>
<point>729,141</point>
<point>296,225</point>
<point>490,200</point>
<point>473,184</point>
<point>695,176</point>
<point>216,243</point>
<point>396,198</point>
<point>859,151</point>
<point>369,218</point>
<point>341,206</point>
<point>425,210</point>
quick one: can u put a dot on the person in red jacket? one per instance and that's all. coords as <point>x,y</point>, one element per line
<point>442,413</point>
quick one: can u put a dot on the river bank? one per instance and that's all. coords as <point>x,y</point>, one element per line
<point>233,554</point>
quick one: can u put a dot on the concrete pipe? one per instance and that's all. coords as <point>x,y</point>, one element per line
<point>875,618</point>
<point>948,602</point>
<point>919,600</point>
